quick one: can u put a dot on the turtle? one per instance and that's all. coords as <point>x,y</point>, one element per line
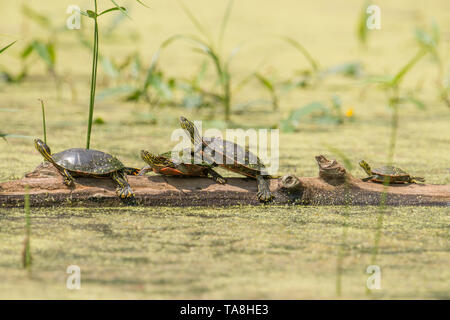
<point>393,174</point>
<point>233,157</point>
<point>165,165</point>
<point>78,162</point>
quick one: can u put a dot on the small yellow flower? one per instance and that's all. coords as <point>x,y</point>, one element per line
<point>349,113</point>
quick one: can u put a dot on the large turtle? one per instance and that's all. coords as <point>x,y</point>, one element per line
<point>77,162</point>
<point>390,173</point>
<point>231,156</point>
<point>165,165</point>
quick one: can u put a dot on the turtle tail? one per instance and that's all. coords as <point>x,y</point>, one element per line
<point>420,179</point>
<point>132,171</point>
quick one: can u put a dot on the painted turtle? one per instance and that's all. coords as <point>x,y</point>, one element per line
<point>88,163</point>
<point>165,165</point>
<point>393,174</point>
<point>233,157</point>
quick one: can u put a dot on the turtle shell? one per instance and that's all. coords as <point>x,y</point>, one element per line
<point>394,173</point>
<point>87,161</point>
<point>233,157</point>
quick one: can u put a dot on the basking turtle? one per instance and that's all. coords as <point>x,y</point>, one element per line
<point>78,162</point>
<point>233,157</point>
<point>394,174</point>
<point>165,165</point>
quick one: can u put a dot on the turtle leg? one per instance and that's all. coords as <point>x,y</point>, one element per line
<point>264,194</point>
<point>368,178</point>
<point>216,177</point>
<point>68,179</point>
<point>132,171</point>
<point>123,188</point>
<point>144,170</point>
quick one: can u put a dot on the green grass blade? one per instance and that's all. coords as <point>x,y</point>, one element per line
<point>303,51</point>
<point>195,21</point>
<point>6,47</point>
<point>362,30</point>
<point>26,254</point>
<point>142,3</point>
<point>112,9</point>
<point>122,9</point>
<point>403,71</point>
<point>36,16</point>
<point>270,88</point>
<point>93,80</point>
<point>224,23</point>
<point>43,120</point>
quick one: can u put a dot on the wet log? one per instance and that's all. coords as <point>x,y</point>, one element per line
<point>333,186</point>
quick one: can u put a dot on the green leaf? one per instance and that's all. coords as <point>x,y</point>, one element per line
<point>195,21</point>
<point>418,103</point>
<point>120,90</point>
<point>303,51</point>
<point>45,52</point>
<point>224,23</point>
<point>139,1</point>
<point>113,9</point>
<point>291,123</point>
<point>122,9</point>
<point>26,52</point>
<point>296,115</point>
<point>362,30</point>
<point>84,13</point>
<point>99,120</point>
<point>403,71</point>
<point>6,47</point>
<point>91,14</point>
<point>51,52</point>
<point>265,82</point>
<point>109,67</point>
<point>350,69</point>
<point>36,16</point>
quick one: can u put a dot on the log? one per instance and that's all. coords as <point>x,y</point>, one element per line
<point>334,186</point>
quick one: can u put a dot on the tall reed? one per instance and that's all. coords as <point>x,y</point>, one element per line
<point>392,87</point>
<point>26,253</point>
<point>95,52</point>
<point>43,120</point>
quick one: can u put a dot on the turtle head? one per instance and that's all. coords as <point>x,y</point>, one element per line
<point>366,167</point>
<point>191,129</point>
<point>153,160</point>
<point>43,149</point>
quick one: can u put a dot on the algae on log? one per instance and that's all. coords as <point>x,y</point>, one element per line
<point>334,186</point>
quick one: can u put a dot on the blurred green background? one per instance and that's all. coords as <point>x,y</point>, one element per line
<point>336,109</point>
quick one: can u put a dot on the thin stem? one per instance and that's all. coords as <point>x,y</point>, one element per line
<point>343,245</point>
<point>43,121</point>
<point>390,158</point>
<point>93,78</point>
<point>26,255</point>
<point>227,98</point>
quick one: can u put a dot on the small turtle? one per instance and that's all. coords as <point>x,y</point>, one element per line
<point>393,174</point>
<point>232,157</point>
<point>79,162</point>
<point>165,165</point>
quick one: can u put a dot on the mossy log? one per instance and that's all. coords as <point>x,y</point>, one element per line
<point>333,186</point>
